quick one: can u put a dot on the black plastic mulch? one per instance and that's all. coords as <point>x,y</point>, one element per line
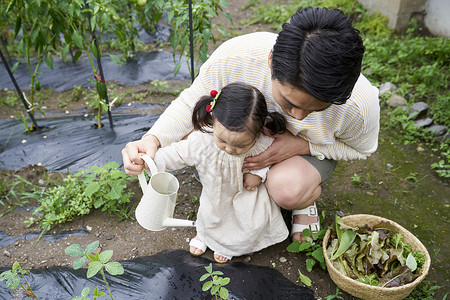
<point>171,274</point>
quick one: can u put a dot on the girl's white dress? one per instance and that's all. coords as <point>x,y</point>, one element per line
<point>231,220</point>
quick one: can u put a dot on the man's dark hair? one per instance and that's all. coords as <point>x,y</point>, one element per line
<point>319,52</point>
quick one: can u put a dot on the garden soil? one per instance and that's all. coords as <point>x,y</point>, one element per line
<point>342,194</point>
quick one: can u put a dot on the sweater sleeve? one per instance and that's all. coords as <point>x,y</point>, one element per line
<point>352,130</point>
<point>179,154</point>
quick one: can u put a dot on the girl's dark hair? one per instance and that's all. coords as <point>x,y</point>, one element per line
<point>239,107</point>
<point>319,52</point>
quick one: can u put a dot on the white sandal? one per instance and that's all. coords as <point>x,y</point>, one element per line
<point>311,211</point>
<point>227,258</point>
<point>199,244</point>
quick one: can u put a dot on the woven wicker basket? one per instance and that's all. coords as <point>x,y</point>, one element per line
<point>364,291</point>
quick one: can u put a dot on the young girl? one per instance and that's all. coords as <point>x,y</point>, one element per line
<point>236,215</point>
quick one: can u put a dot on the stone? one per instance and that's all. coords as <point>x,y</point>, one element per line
<point>283,259</point>
<point>6,253</point>
<point>418,110</point>
<point>396,100</point>
<point>438,130</point>
<point>387,87</point>
<point>424,122</point>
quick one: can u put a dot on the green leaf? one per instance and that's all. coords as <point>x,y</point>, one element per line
<point>91,247</point>
<point>204,276</point>
<point>77,55</point>
<point>17,26</point>
<point>215,289</point>
<point>85,292</point>
<point>306,232</point>
<point>79,262</point>
<point>74,250</point>
<point>114,268</point>
<point>224,281</point>
<point>223,292</point>
<point>92,257</point>
<point>14,67</point>
<point>177,68</point>
<point>49,61</point>
<point>94,267</point>
<point>93,49</point>
<point>296,247</point>
<point>223,3</point>
<point>77,39</point>
<point>64,51</point>
<point>13,282</point>
<point>310,264</point>
<point>115,192</point>
<point>115,59</point>
<point>217,273</point>
<point>318,255</point>
<point>97,293</point>
<point>411,262</point>
<point>91,188</point>
<point>207,285</point>
<point>116,174</point>
<point>105,256</point>
<point>305,279</point>
<point>346,240</point>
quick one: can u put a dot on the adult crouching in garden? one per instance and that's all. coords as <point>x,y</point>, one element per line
<point>311,73</point>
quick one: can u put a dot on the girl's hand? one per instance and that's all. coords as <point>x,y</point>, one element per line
<point>133,164</point>
<point>251,181</point>
<point>283,147</point>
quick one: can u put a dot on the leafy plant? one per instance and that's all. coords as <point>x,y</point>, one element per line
<point>98,262</point>
<point>202,13</point>
<point>337,295</point>
<point>425,290</point>
<point>106,186</point>
<point>13,278</point>
<point>356,179</point>
<point>11,193</point>
<point>216,284</point>
<point>39,35</point>
<point>312,247</point>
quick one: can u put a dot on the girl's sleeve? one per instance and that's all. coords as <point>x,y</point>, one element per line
<point>179,154</point>
<point>261,173</point>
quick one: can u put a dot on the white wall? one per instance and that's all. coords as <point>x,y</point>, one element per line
<point>437,18</point>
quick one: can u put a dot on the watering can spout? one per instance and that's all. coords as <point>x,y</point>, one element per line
<point>171,222</point>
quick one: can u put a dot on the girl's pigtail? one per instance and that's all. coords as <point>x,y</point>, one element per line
<point>201,118</point>
<point>277,123</point>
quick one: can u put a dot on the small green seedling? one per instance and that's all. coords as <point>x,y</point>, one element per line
<point>356,179</point>
<point>216,284</point>
<point>335,296</point>
<point>97,262</point>
<point>13,277</point>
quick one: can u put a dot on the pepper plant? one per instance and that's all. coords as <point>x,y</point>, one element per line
<point>202,13</point>
<point>37,26</point>
<point>89,22</point>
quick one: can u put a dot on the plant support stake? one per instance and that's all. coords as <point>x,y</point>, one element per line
<point>191,41</point>
<point>99,64</point>
<point>19,92</point>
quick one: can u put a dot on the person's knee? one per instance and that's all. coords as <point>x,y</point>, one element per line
<point>289,194</point>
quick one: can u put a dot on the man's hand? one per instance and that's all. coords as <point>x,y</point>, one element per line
<point>283,147</point>
<point>133,164</point>
<point>251,181</point>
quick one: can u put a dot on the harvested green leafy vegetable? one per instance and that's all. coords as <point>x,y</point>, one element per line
<point>376,257</point>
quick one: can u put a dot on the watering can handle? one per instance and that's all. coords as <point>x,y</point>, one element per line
<point>153,170</point>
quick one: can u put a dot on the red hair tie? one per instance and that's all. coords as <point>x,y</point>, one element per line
<point>211,105</point>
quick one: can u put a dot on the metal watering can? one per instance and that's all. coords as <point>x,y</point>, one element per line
<point>155,211</point>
